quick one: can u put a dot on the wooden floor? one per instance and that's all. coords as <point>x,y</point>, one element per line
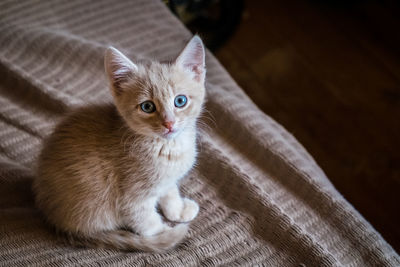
<point>331,75</point>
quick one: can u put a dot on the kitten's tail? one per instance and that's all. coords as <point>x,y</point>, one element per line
<point>126,240</point>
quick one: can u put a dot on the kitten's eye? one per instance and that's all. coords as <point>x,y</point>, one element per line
<point>180,101</point>
<point>148,106</point>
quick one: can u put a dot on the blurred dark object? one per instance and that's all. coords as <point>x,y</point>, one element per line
<point>214,20</point>
<point>354,3</point>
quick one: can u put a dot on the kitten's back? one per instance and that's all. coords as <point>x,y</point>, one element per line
<point>76,168</point>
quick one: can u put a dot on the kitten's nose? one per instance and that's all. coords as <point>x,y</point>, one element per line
<point>168,125</point>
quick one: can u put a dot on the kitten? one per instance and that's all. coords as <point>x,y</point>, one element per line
<point>106,168</point>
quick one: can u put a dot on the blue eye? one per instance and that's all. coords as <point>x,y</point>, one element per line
<point>180,101</point>
<point>148,106</point>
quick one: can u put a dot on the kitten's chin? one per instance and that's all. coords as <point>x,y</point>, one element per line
<point>170,135</point>
<point>161,134</point>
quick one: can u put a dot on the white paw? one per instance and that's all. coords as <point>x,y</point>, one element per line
<point>189,211</point>
<point>173,213</point>
<point>184,212</point>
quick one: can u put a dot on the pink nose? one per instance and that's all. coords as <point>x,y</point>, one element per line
<point>168,124</point>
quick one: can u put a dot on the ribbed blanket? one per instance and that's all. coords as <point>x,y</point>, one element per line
<point>263,199</point>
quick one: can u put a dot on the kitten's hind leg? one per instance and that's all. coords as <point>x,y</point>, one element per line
<point>145,219</point>
<point>176,208</point>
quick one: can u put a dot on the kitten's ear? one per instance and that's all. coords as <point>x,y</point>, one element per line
<point>118,68</point>
<point>192,58</point>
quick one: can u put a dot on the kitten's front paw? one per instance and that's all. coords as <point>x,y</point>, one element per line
<point>184,212</point>
<point>189,211</point>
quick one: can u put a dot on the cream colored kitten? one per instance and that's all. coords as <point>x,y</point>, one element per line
<point>106,168</point>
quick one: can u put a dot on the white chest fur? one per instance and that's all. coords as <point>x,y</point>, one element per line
<point>176,157</point>
<point>166,160</point>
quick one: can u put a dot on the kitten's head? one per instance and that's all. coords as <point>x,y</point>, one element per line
<point>159,100</point>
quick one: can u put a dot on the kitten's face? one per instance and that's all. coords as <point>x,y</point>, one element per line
<point>159,100</point>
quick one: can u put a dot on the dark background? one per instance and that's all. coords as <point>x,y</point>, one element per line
<point>329,72</point>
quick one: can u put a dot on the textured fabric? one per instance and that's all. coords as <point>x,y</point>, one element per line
<point>263,199</point>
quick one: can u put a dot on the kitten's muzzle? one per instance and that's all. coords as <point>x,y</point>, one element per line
<point>169,125</point>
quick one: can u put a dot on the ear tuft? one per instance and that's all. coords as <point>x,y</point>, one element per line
<point>192,58</point>
<point>118,68</point>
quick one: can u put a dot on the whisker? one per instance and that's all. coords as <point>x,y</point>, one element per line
<point>207,119</point>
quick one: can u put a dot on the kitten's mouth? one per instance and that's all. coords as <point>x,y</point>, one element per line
<point>169,134</point>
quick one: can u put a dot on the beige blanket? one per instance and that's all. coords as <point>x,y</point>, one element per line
<point>263,199</point>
